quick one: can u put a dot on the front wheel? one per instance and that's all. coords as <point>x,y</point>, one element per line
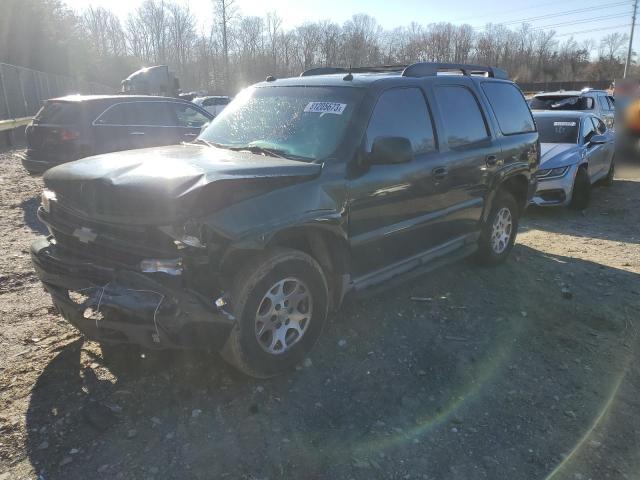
<point>280,304</point>
<point>499,230</point>
<point>581,194</point>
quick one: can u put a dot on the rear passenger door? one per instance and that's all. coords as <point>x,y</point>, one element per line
<point>469,155</point>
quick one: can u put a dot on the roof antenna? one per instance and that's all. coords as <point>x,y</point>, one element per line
<point>349,76</point>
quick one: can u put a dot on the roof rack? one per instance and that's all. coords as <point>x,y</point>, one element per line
<point>421,69</point>
<point>429,69</point>
<point>332,70</point>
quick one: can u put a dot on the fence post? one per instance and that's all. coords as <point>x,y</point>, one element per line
<point>4,91</point>
<point>24,98</point>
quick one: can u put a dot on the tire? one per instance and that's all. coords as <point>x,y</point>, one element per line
<point>259,299</point>
<point>581,190</point>
<point>608,180</point>
<point>504,215</point>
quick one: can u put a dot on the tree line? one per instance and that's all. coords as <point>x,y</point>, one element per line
<point>237,50</point>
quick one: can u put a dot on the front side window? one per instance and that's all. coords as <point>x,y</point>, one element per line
<point>463,121</point>
<point>600,125</point>
<point>303,122</point>
<point>402,112</point>
<point>188,116</point>
<point>510,108</point>
<point>588,130</point>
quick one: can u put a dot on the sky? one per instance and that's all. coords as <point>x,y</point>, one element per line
<point>589,18</point>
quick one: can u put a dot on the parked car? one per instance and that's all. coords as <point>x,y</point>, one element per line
<point>597,102</point>
<point>213,104</point>
<point>577,152</point>
<point>302,190</point>
<point>78,126</point>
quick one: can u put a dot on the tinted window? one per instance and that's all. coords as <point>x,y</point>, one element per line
<point>402,112</point>
<point>137,114</point>
<point>588,130</point>
<point>510,107</point>
<point>461,116</point>
<point>58,113</point>
<point>153,114</point>
<point>558,129</point>
<point>188,116</point>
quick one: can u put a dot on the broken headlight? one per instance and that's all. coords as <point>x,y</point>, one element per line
<point>171,266</point>
<point>188,234</point>
<point>48,196</point>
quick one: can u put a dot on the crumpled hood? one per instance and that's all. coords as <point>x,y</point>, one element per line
<point>553,155</point>
<point>165,184</point>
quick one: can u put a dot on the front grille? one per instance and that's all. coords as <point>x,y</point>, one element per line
<point>105,243</point>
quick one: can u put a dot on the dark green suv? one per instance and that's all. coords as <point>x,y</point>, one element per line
<point>301,191</point>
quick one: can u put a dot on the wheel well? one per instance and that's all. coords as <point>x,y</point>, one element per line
<point>518,187</point>
<point>324,247</point>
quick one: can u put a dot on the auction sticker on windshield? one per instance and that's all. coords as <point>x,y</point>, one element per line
<point>325,107</point>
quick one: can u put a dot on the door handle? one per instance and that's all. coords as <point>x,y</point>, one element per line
<point>491,160</point>
<point>136,133</point>
<point>439,173</point>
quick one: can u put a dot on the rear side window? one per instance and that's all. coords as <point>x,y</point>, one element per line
<point>510,108</point>
<point>59,113</point>
<point>461,116</point>
<point>402,112</point>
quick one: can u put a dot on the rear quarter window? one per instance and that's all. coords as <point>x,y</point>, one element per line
<point>510,108</point>
<point>59,113</point>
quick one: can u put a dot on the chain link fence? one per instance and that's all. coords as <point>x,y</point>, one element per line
<point>23,91</point>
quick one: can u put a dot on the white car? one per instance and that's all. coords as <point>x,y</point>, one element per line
<point>213,104</point>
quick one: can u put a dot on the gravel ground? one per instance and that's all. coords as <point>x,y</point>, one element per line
<point>525,371</point>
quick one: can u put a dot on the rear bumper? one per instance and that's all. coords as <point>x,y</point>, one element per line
<point>37,163</point>
<point>122,306</point>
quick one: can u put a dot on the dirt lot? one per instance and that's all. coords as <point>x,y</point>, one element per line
<point>525,371</point>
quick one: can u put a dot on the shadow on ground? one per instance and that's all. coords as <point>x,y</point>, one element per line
<point>492,374</point>
<point>30,208</point>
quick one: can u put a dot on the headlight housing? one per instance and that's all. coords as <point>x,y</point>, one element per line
<point>188,234</point>
<point>549,173</point>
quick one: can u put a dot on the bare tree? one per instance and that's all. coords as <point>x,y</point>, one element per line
<point>225,11</point>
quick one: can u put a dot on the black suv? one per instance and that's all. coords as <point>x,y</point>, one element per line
<point>300,191</point>
<point>78,126</point>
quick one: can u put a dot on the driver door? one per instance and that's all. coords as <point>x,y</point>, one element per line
<point>390,205</point>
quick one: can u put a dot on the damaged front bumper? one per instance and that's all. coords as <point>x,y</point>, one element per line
<point>122,306</point>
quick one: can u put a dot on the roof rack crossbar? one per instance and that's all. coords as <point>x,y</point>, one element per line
<point>430,69</point>
<point>333,70</point>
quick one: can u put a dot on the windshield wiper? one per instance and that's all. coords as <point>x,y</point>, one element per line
<point>204,142</point>
<point>273,152</point>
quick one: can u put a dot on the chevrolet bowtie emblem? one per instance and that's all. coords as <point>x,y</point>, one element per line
<point>84,234</point>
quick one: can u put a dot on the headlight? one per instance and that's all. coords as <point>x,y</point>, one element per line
<point>172,266</point>
<point>545,174</point>
<point>48,196</point>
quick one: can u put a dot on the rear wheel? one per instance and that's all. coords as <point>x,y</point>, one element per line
<point>581,190</point>
<point>280,305</point>
<point>499,231</point>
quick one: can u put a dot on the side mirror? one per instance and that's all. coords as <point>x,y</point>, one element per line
<point>598,140</point>
<point>390,150</point>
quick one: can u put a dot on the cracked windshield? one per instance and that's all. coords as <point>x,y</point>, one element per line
<point>282,239</point>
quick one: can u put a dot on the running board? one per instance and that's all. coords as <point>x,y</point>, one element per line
<point>420,264</point>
